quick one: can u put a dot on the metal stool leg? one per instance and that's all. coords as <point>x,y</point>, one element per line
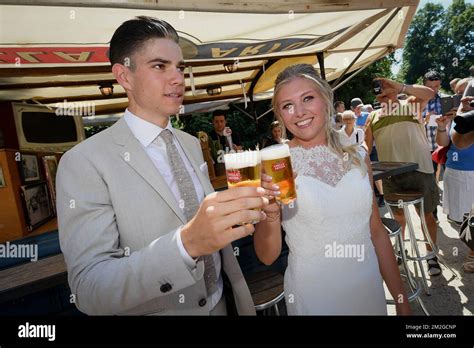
<point>430,242</point>
<point>415,287</point>
<point>414,247</point>
<point>277,312</point>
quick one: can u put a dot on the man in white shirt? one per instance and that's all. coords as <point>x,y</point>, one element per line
<point>349,134</point>
<point>140,227</point>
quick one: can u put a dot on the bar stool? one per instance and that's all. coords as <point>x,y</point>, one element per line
<point>395,231</point>
<point>266,289</point>
<point>402,200</point>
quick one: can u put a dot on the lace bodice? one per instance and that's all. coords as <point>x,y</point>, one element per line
<point>334,202</point>
<point>320,163</point>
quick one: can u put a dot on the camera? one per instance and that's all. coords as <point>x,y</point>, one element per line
<point>449,103</point>
<point>377,86</point>
<point>464,122</point>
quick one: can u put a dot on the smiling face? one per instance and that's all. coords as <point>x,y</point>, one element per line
<point>303,111</point>
<point>155,83</point>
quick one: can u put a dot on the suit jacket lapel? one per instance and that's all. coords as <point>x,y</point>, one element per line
<point>134,155</point>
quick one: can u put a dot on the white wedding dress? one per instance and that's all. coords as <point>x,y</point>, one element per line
<point>332,265</point>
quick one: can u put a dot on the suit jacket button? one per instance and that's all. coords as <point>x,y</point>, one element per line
<point>202,302</point>
<point>165,287</point>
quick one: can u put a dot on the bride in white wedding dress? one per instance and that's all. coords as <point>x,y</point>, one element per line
<point>339,248</point>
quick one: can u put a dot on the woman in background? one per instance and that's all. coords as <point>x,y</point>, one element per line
<point>276,137</point>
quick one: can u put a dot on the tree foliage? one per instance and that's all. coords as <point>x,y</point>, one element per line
<point>440,39</point>
<point>361,85</point>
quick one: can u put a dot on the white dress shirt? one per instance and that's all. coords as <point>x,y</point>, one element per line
<point>356,137</point>
<point>146,133</point>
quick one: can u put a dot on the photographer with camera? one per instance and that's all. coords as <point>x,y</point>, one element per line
<point>458,194</point>
<point>400,137</point>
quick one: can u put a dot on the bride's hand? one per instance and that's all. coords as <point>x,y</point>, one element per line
<point>271,191</point>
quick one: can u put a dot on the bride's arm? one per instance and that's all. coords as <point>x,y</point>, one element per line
<point>385,256</point>
<point>267,235</point>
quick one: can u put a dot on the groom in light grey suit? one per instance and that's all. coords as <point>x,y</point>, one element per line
<point>140,227</point>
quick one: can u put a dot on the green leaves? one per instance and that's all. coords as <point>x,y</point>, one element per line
<point>442,40</point>
<point>360,86</point>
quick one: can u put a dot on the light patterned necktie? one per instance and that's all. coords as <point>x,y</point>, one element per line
<point>189,197</point>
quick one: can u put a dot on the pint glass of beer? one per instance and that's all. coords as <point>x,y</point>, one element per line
<point>242,168</point>
<point>276,162</point>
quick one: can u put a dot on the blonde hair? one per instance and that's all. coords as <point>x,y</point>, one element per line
<point>275,124</point>
<point>348,114</point>
<point>308,72</point>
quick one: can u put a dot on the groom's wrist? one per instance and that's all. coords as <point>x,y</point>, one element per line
<point>187,243</point>
<point>188,259</point>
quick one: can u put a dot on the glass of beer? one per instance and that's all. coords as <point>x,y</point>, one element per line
<point>276,162</point>
<point>243,169</point>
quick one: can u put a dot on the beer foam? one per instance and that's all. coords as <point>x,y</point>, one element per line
<point>243,159</point>
<point>275,152</point>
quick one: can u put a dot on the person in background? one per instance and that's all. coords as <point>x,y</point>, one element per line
<point>339,106</point>
<point>276,136</point>
<point>432,79</point>
<point>401,137</point>
<point>367,108</point>
<point>349,134</point>
<point>453,83</point>
<point>461,86</point>
<point>338,121</point>
<point>458,194</point>
<point>356,107</point>
<point>223,138</point>
<point>221,132</point>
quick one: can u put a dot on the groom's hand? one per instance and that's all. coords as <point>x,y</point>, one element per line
<point>211,228</point>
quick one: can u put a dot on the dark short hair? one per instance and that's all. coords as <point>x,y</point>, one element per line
<point>132,34</point>
<point>337,103</point>
<point>431,75</point>
<point>218,113</point>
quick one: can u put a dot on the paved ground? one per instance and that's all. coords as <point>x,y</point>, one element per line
<point>449,295</point>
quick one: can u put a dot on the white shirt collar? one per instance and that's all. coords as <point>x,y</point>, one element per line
<point>143,130</point>
<point>343,130</point>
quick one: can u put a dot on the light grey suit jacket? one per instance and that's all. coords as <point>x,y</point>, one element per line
<point>117,220</point>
